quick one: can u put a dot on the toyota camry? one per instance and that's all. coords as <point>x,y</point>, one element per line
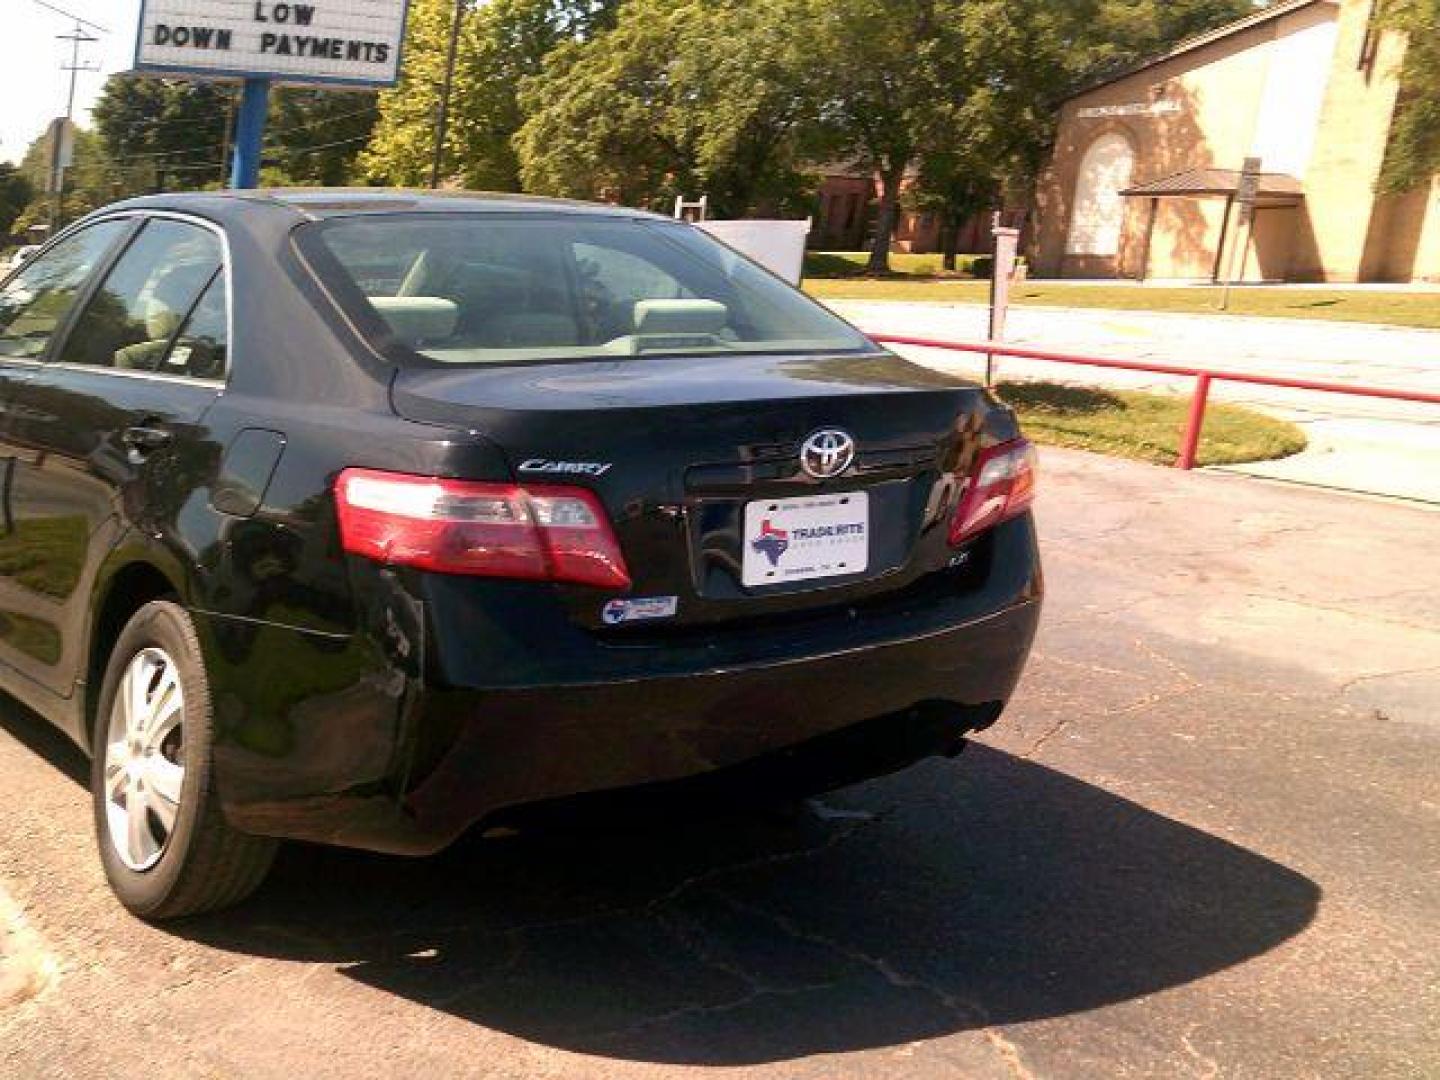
<point>368,518</point>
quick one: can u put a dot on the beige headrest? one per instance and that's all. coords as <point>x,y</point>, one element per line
<point>680,316</point>
<point>414,319</point>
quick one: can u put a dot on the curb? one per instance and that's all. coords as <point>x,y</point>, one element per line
<point>26,969</point>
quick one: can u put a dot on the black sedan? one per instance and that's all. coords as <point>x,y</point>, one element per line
<point>364,518</point>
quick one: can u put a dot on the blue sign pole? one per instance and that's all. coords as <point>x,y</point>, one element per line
<point>250,133</point>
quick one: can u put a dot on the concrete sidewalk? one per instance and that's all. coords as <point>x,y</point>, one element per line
<point>1389,448</point>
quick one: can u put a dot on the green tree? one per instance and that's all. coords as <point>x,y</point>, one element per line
<point>174,135</point>
<point>501,43</point>
<point>315,136</point>
<point>16,191</point>
<point>89,182</point>
<point>1413,156</point>
<point>894,64</point>
<point>163,134</point>
<point>676,98</point>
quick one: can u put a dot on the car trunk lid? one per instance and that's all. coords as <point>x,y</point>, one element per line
<point>698,461</point>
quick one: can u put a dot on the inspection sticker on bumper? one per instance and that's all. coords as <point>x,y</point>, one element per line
<point>651,607</point>
<point>817,536</point>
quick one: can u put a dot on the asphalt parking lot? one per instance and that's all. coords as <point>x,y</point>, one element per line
<point>1204,842</point>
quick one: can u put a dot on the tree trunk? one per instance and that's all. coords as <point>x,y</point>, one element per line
<point>949,241</point>
<point>887,220</point>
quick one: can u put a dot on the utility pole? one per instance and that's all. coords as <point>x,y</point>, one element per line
<point>62,132</point>
<point>76,37</point>
<point>442,122</point>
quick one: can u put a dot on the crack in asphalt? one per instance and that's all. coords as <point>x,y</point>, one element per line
<point>1385,619</point>
<point>1081,665</point>
<point>1187,684</point>
<point>653,909</point>
<point>694,945</point>
<point>967,1011</point>
<point>1112,612</point>
<point>1209,1064</point>
<point>1350,684</point>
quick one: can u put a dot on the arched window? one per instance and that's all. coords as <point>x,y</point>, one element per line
<point>1099,210</point>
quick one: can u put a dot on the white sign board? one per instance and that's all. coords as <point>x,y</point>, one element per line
<point>61,136</point>
<point>348,42</point>
<point>779,246</point>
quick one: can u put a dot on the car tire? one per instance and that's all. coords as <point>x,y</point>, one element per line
<point>175,854</point>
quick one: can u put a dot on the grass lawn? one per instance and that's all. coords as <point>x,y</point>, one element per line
<point>1146,427</point>
<point>851,264</point>
<point>1124,423</point>
<point>837,276</point>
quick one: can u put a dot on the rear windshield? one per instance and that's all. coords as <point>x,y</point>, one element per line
<point>506,289</point>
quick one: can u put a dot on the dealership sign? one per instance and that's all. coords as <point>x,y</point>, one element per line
<point>349,42</point>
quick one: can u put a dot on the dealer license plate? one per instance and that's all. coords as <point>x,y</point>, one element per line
<point>817,536</point>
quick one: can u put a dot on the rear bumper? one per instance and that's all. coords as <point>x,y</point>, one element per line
<point>519,747</point>
<point>917,679</point>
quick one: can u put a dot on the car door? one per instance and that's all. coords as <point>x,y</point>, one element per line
<point>107,431</point>
<point>35,303</point>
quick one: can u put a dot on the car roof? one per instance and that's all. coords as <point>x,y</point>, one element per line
<point>317,203</point>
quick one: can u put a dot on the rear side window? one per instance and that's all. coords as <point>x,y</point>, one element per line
<point>202,348</point>
<point>135,320</point>
<point>515,288</point>
<point>35,301</point>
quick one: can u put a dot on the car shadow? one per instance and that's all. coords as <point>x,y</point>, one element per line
<point>45,741</point>
<point>992,890</point>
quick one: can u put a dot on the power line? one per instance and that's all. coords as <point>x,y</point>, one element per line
<point>148,156</point>
<point>142,160</point>
<point>121,166</point>
<point>322,146</point>
<point>323,120</point>
<point>191,150</point>
<point>71,15</point>
<point>204,130</point>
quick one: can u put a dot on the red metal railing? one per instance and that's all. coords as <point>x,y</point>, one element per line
<point>1195,422</point>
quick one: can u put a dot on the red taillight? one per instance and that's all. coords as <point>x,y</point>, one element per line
<point>489,530</point>
<point>1002,486</point>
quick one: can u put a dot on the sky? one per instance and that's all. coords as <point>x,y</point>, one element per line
<point>32,86</point>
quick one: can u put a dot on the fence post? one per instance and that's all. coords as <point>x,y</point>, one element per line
<point>1002,273</point>
<point>1190,441</point>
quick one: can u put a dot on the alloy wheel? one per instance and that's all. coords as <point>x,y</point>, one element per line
<point>144,759</point>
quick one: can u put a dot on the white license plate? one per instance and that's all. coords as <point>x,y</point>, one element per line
<point>818,536</point>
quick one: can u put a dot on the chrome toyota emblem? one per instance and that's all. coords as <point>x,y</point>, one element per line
<point>827,453</point>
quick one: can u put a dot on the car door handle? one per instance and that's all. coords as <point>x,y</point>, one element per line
<point>141,442</point>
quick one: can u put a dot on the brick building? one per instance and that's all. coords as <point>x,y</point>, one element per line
<point>1146,165</point>
<point>845,217</point>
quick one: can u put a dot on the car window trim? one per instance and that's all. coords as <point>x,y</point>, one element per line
<point>58,341</point>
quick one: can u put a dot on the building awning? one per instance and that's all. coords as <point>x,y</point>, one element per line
<point>1276,189</point>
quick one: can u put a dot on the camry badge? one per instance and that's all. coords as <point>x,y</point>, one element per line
<point>573,468</point>
<point>827,453</point>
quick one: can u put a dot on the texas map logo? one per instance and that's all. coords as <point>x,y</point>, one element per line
<point>772,543</point>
